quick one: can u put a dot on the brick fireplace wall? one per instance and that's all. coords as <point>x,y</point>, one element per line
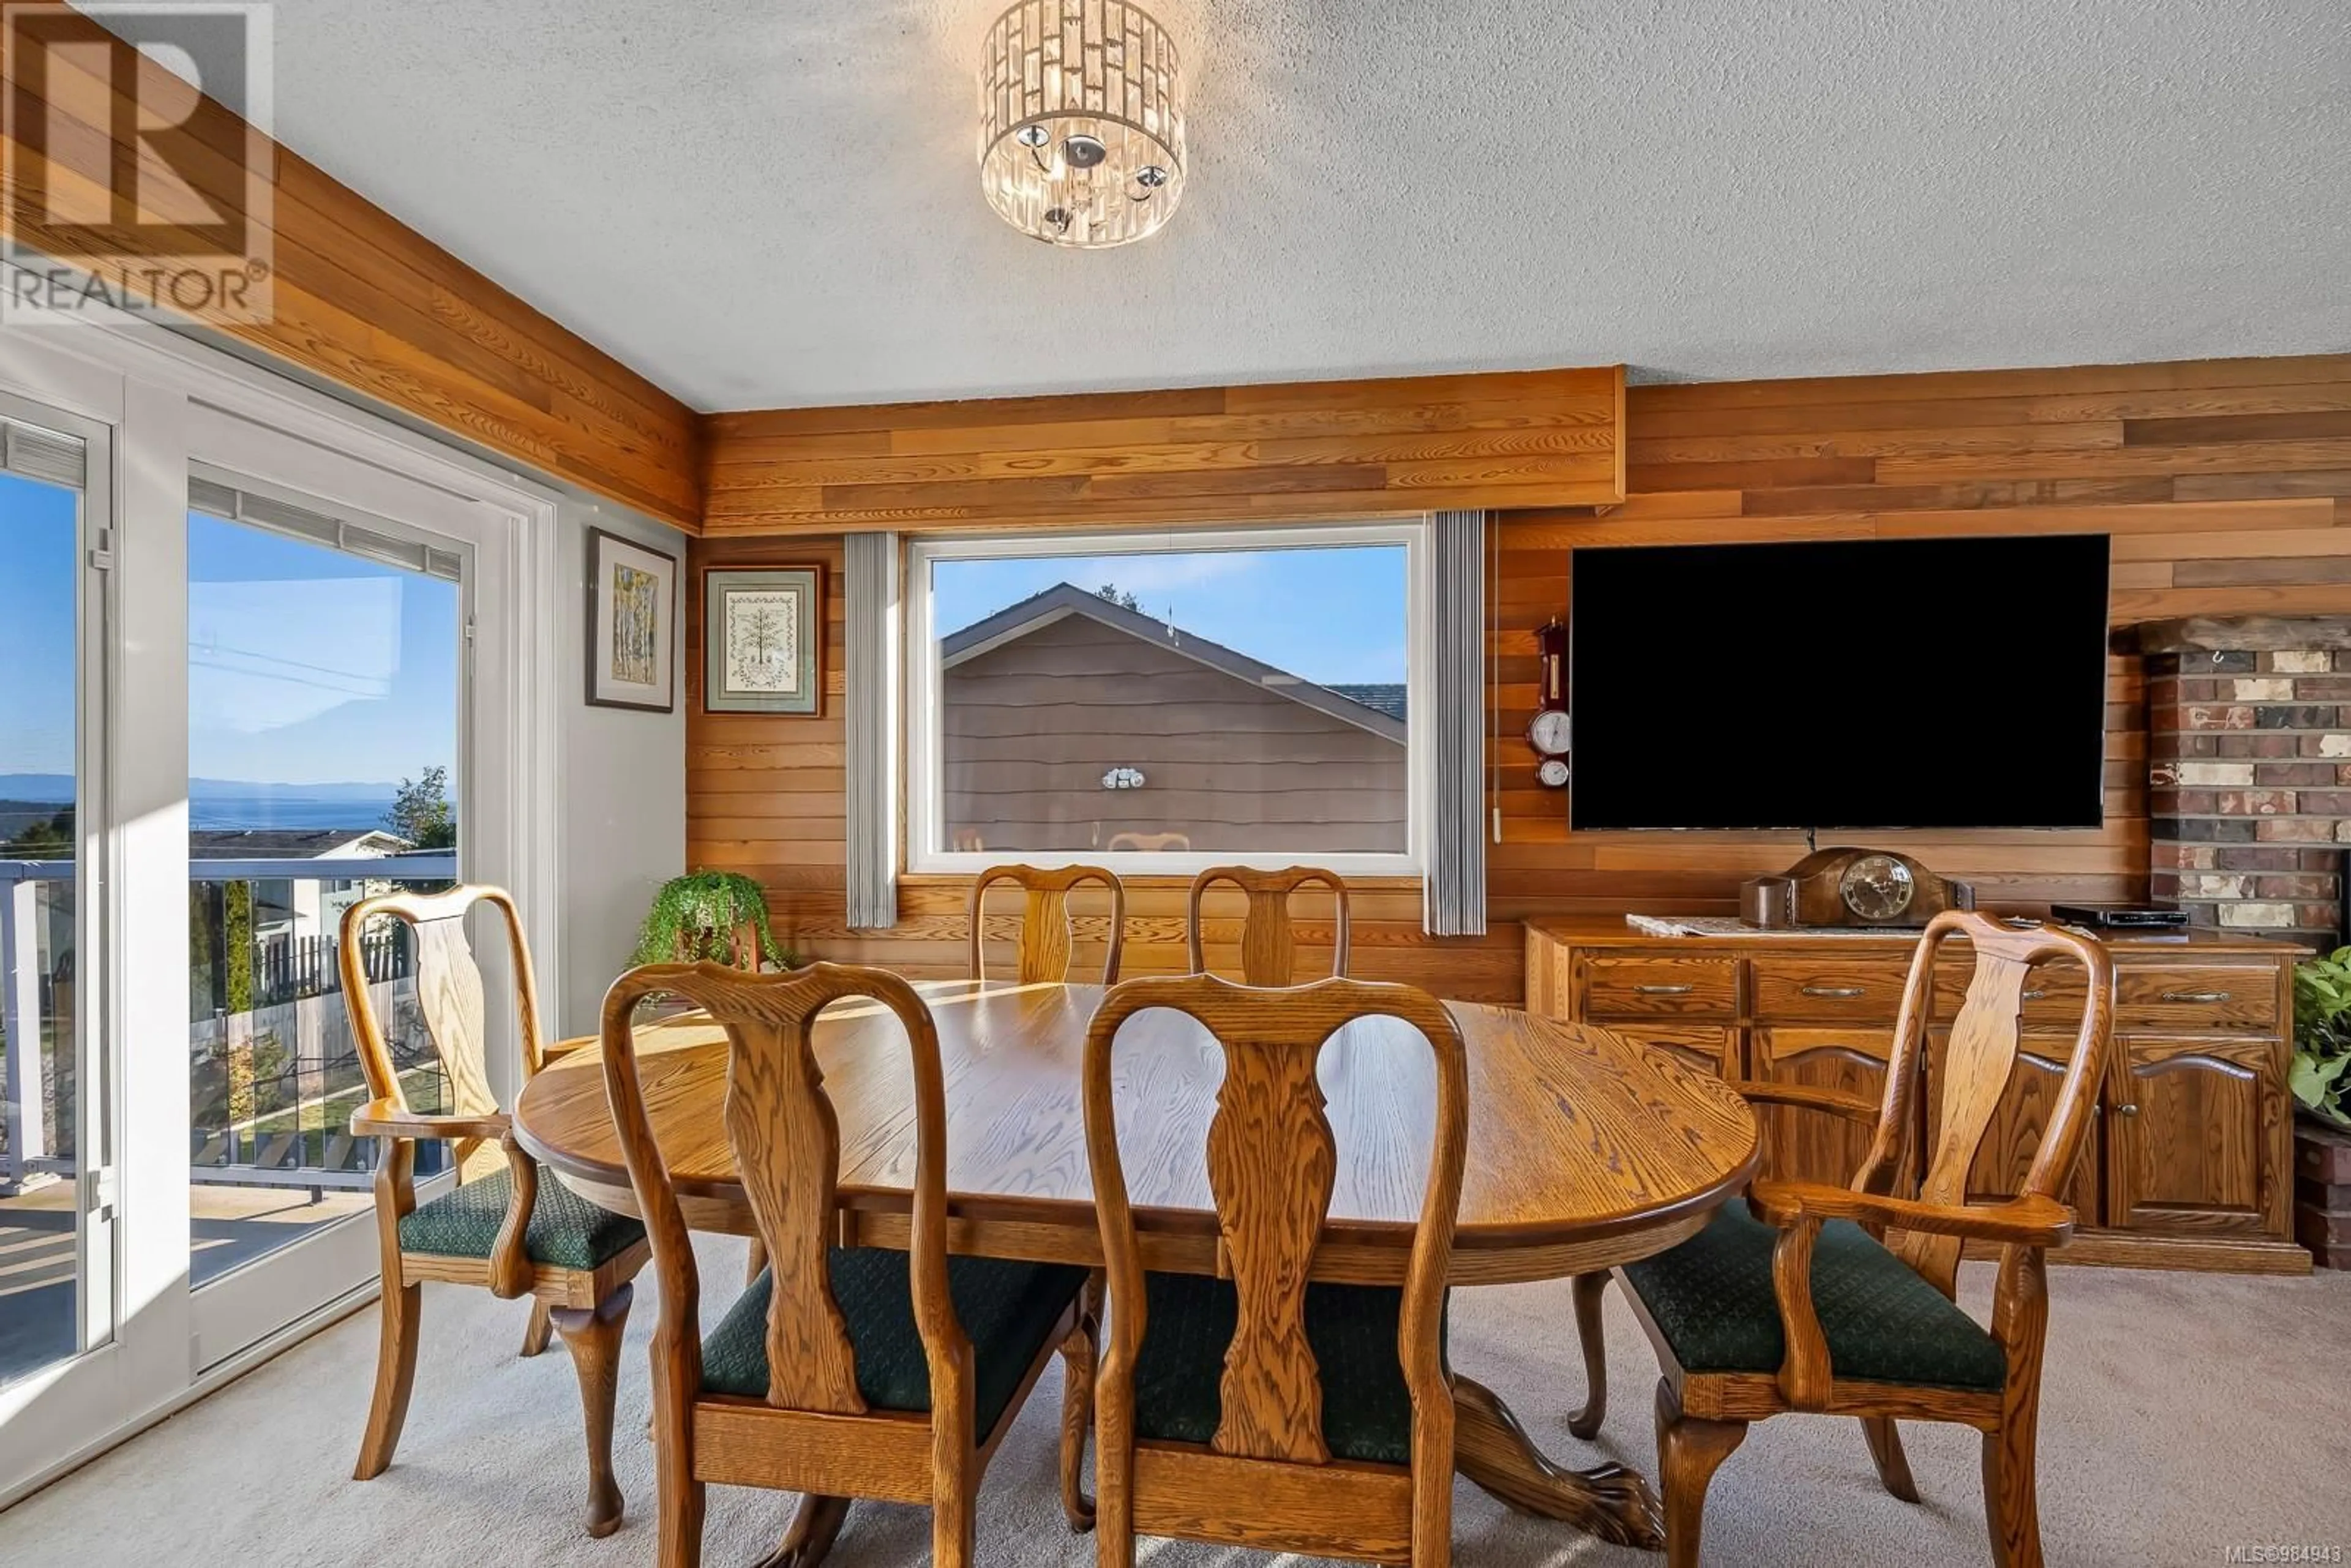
<point>2249,798</point>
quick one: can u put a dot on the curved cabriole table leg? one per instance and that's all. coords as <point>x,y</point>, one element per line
<point>810,1536</point>
<point>1493,1450</point>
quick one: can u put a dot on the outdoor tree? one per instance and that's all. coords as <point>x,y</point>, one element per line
<point>421,812</point>
<point>49,841</point>
<point>1118,596</point>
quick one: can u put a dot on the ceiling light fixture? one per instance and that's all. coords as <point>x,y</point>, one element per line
<point>1080,121</point>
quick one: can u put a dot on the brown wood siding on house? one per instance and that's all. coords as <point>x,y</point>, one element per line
<point>2221,496</point>
<point>1029,727</point>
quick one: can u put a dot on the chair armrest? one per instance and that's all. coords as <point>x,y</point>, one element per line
<point>565,1047</point>
<point>2028,1221</point>
<point>1834,1100</point>
<point>390,1119</point>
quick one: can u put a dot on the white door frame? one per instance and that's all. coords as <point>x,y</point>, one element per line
<point>169,399</point>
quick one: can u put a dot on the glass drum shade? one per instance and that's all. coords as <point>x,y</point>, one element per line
<point>1081,121</point>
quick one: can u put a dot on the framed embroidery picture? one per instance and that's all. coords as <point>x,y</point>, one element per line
<point>631,624</point>
<point>763,640</point>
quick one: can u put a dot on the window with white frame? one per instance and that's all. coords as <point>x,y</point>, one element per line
<point>1167,701</point>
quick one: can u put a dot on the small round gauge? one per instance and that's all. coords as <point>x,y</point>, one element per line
<point>1549,732</point>
<point>1877,887</point>
<point>1551,773</point>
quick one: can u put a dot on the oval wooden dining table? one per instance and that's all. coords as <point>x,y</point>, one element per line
<point>1586,1151</point>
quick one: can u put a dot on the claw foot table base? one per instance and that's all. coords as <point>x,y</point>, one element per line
<point>1493,1450</point>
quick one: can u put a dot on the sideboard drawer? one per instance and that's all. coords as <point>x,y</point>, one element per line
<point>1822,989</point>
<point>1638,986</point>
<point>2056,995</point>
<point>2196,998</point>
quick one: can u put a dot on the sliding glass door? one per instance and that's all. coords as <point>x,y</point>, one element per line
<point>56,1191</point>
<point>327,671</point>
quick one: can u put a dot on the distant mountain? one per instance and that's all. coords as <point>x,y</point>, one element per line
<point>60,788</point>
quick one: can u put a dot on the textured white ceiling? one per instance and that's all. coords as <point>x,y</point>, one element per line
<point>773,202</point>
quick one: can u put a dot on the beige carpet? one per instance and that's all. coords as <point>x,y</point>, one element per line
<point>2183,1416</point>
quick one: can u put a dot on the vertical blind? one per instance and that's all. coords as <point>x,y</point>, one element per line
<point>1453,894</point>
<point>871,582</point>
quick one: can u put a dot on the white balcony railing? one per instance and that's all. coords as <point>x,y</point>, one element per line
<point>261,1133</point>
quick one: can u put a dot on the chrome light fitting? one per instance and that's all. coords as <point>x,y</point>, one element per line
<point>1080,121</point>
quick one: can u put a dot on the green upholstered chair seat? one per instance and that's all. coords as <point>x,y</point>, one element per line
<point>1351,1329</point>
<point>1007,1310</point>
<point>567,1231</point>
<point>1711,1299</point>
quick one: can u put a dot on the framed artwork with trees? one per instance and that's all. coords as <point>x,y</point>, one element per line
<point>763,640</point>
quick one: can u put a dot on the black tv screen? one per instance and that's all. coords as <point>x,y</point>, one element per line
<point>1887,684</point>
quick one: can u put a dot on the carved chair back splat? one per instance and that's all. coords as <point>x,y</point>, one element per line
<point>1047,937</point>
<point>1273,1160</point>
<point>1268,944</point>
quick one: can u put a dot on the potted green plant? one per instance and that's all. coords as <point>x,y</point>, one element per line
<point>2322,1036</point>
<point>702,916</point>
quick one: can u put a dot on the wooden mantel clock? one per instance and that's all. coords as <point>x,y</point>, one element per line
<point>1547,732</point>
<point>1853,887</point>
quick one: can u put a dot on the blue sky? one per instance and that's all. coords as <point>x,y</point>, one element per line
<point>306,666</point>
<point>1331,615</point>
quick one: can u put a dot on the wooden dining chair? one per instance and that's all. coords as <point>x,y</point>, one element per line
<point>844,1372</point>
<point>1811,1297</point>
<point>1254,1409</point>
<point>503,1228</point>
<point>1268,944</point>
<point>1048,939</point>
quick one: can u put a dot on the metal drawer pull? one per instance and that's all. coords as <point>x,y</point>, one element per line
<point>2128,1109</point>
<point>2034,996</point>
<point>1835,990</point>
<point>1664,990</point>
<point>2195,995</point>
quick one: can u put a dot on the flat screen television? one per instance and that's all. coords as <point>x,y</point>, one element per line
<point>1885,683</point>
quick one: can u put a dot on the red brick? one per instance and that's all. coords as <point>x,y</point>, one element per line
<point>2317,916</point>
<point>2322,859</point>
<point>2247,857</point>
<point>2303,886</point>
<point>2321,689</point>
<point>2256,802</point>
<point>2166,802</point>
<point>2316,744</point>
<point>2184,857</point>
<point>2328,802</point>
<point>2235,715</point>
<point>2163,885</point>
<point>2343,658</point>
<point>2343,773</point>
<point>2296,776</point>
<point>2295,830</point>
<point>2265,743</point>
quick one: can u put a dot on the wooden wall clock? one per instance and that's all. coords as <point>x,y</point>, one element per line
<point>1548,731</point>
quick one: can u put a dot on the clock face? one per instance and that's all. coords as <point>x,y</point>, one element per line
<point>1877,887</point>
<point>1547,734</point>
<point>1551,773</point>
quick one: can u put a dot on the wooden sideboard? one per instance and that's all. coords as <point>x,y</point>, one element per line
<point>2188,1166</point>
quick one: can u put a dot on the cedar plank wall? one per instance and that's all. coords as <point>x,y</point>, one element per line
<point>370,304</point>
<point>2227,485</point>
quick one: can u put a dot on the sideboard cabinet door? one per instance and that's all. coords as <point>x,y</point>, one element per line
<point>2198,1137</point>
<point>1815,1146</point>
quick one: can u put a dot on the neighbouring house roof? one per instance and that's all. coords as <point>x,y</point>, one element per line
<point>1387,695</point>
<point>1063,599</point>
<point>291,843</point>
